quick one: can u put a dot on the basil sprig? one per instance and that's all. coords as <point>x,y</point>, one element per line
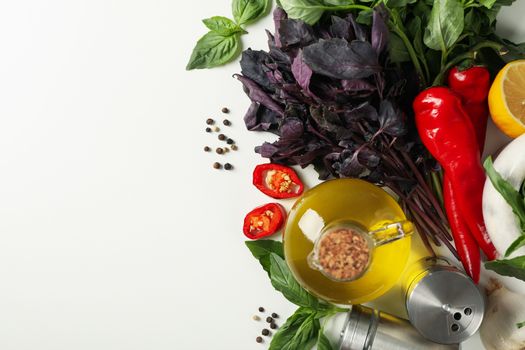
<point>302,330</point>
<point>223,42</point>
<point>514,267</point>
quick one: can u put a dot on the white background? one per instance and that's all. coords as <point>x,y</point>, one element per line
<point>116,233</point>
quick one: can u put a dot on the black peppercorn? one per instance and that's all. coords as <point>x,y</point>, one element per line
<point>222,137</point>
<point>259,339</point>
<point>230,141</point>
<point>207,149</point>
<point>228,166</point>
<point>227,122</point>
<point>269,319</point>
<point>210,121</point>
<point>208,129</point>
<point>273,325</point>
<point>217,165</point>
<point>274,315</point>
<point>225,110</point>
<point>265,332</point>
<point>219,150</point>
<point>261,309</point>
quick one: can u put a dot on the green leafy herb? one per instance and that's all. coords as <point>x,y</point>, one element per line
<point>512,196</point>
<point>261,250</point>
<point>213,50</point>
<point>322,342</point>
<point>520,324</point>
<point>283,280</point>
<point>223,42</point>
<point>518,243</point>
<point>284,336</point>
<point>248,11</point>
<point>222,25</point>
<point>445,25</point>
<point>508,267</point>
<point>309,11</point>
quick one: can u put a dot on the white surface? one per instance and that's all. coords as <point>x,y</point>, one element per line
<point>116,233</point>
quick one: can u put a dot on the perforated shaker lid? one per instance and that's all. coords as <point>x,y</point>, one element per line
<point>445,305</point>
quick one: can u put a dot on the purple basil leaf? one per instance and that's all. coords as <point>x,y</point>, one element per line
<point>338,59</point>
<point>294,31</point>
<point>356,85</point>
<point>253,67</point>
<point>390,120</point>
<point>368,157</point>
<point>267,150</point>
<point>260,118</point>
<point>359,32</point>
<point>291,128</point>
<point>341,28</point>
<point>256,94</point>
<point>350,167</point>
<point>380,31</point>
<point>362,112</point>
<point>301,72</point>
<point>278,16</point>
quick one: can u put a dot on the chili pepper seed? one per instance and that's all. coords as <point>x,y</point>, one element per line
<point>273,325</point>
<point>207,149</point>
<point>265,332</point>
<point>208,129</point>
<point>261,309</point>
<point>225,110</point>
<point>259,339</point>
<point>219,150</point>
<point>234,148</point>
<point>227,122</point>
<point>269,319</point>
<point>228,166</point>
<point>221,137</point>
<point>217,165</point>
<point>274,315</point>
<point>256,318</point>
<point>210,121</point>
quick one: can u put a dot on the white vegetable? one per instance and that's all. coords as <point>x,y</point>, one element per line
<point>498,330</point>
<point>501,222</point>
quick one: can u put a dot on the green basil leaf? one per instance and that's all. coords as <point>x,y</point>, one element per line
<point>520,324</point>
<point>365,17</point>
<point>518,243</point>
<point>415,29</point>
<point>261,250</point>
<point>509,267</point>
<point>213,50</point>
<point>287,331</point>
<point>445,24</point>
<point>222,25</point>
<point>283,280</point>
<point>322,342</point>
<point>513,197</point>
<point>522,191</point>
<point>487,3</point>
<point>309,11</point>
<point>397,49</point>
<point>306,334</point>
<point>337,2</point>
<point>247,11</point>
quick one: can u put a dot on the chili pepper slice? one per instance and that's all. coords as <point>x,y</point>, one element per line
<point>277,181</point>
<point>264,221</point>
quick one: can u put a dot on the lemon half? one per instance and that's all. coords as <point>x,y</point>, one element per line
<point>507,99</point>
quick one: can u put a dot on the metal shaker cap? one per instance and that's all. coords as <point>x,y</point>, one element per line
<point>445,305</point>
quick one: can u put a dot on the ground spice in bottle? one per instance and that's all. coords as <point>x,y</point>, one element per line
<point>343,253</point>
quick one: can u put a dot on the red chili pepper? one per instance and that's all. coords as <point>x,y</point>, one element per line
<point>466,245</point>
<point>446,131</point>
<point>264,221</point>
<point>277,181</point>
<point>473,85</point>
